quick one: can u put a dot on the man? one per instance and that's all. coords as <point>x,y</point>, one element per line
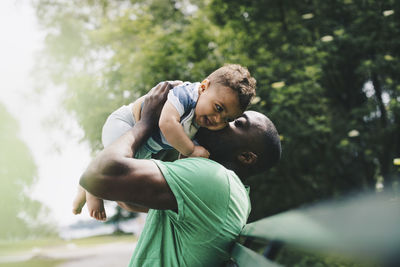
<point>197,207</point>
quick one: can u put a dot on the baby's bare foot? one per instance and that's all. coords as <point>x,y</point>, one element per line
<point>79,201</point>
<point>96,207</point>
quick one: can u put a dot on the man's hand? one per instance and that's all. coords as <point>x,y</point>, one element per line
<point>154,102</point>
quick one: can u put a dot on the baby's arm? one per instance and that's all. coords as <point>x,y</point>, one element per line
<point>173,131</point>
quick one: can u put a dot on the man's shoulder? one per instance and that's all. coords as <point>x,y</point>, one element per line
<point>197,165</point>
<point>199,172</point>
<point>205,188</point>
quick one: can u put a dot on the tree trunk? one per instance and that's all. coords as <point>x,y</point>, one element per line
<point>385,135</point>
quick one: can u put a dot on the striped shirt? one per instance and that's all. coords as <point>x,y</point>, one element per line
<point>184,99</point>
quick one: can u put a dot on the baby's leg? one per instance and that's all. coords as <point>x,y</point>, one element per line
<point>96,207</point>
<point>79,200</point>
<point>118,123</point>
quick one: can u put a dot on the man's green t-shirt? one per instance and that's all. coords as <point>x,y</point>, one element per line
<point>213,207</point>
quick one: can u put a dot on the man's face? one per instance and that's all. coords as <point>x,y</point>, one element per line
<point>216,107</point>
<point>242,134</point>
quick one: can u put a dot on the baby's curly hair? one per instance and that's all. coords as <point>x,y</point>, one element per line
<point>237,78</point>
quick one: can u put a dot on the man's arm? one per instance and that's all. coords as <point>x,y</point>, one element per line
<point>115,175</point>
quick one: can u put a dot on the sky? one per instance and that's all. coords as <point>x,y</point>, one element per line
<point>58,152</point>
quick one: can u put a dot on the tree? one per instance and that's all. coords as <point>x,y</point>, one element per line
<point>326,75</point>
<point>20,215</point>
<point>313,62</point>
<point>119,216</point>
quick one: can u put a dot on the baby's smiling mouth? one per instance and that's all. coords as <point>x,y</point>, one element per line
<point>207,122</point>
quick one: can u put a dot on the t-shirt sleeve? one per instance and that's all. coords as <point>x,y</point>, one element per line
<point>181,97</point>
<point>201,188</point>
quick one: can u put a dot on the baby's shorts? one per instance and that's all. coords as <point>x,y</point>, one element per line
<point>118,123</point>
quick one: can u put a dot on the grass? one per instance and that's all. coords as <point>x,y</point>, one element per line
<point>14,247</point>
<point>103,239</point>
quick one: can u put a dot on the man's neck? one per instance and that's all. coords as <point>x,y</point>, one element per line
<point>242,174</point>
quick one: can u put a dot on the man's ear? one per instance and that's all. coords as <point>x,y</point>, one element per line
<point>204,85</point>
<point>247,158</point>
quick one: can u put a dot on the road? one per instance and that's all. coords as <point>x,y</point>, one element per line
<point>112,254</point>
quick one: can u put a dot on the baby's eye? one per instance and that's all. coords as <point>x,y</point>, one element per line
<point>218,108</point>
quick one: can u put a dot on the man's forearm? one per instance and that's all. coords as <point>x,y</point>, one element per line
<point>127,145</point>
<point>109,163</point>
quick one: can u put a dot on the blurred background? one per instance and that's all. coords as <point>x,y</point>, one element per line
<point>327,76</point>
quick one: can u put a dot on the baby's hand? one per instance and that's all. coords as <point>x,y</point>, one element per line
<point>200,151</point>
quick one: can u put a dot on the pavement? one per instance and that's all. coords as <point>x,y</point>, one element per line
<point>105,255</point>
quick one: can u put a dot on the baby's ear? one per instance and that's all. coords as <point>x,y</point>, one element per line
<point>204,85</point>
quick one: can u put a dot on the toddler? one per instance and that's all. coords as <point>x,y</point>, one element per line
<point>213,103</point>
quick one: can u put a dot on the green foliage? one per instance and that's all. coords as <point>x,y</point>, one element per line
<point>313,61</point>
<point>19,213</point>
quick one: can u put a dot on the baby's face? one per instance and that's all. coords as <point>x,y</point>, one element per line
<point>216,107</point>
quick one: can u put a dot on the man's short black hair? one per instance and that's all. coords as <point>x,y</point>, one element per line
<point>272,150</point>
